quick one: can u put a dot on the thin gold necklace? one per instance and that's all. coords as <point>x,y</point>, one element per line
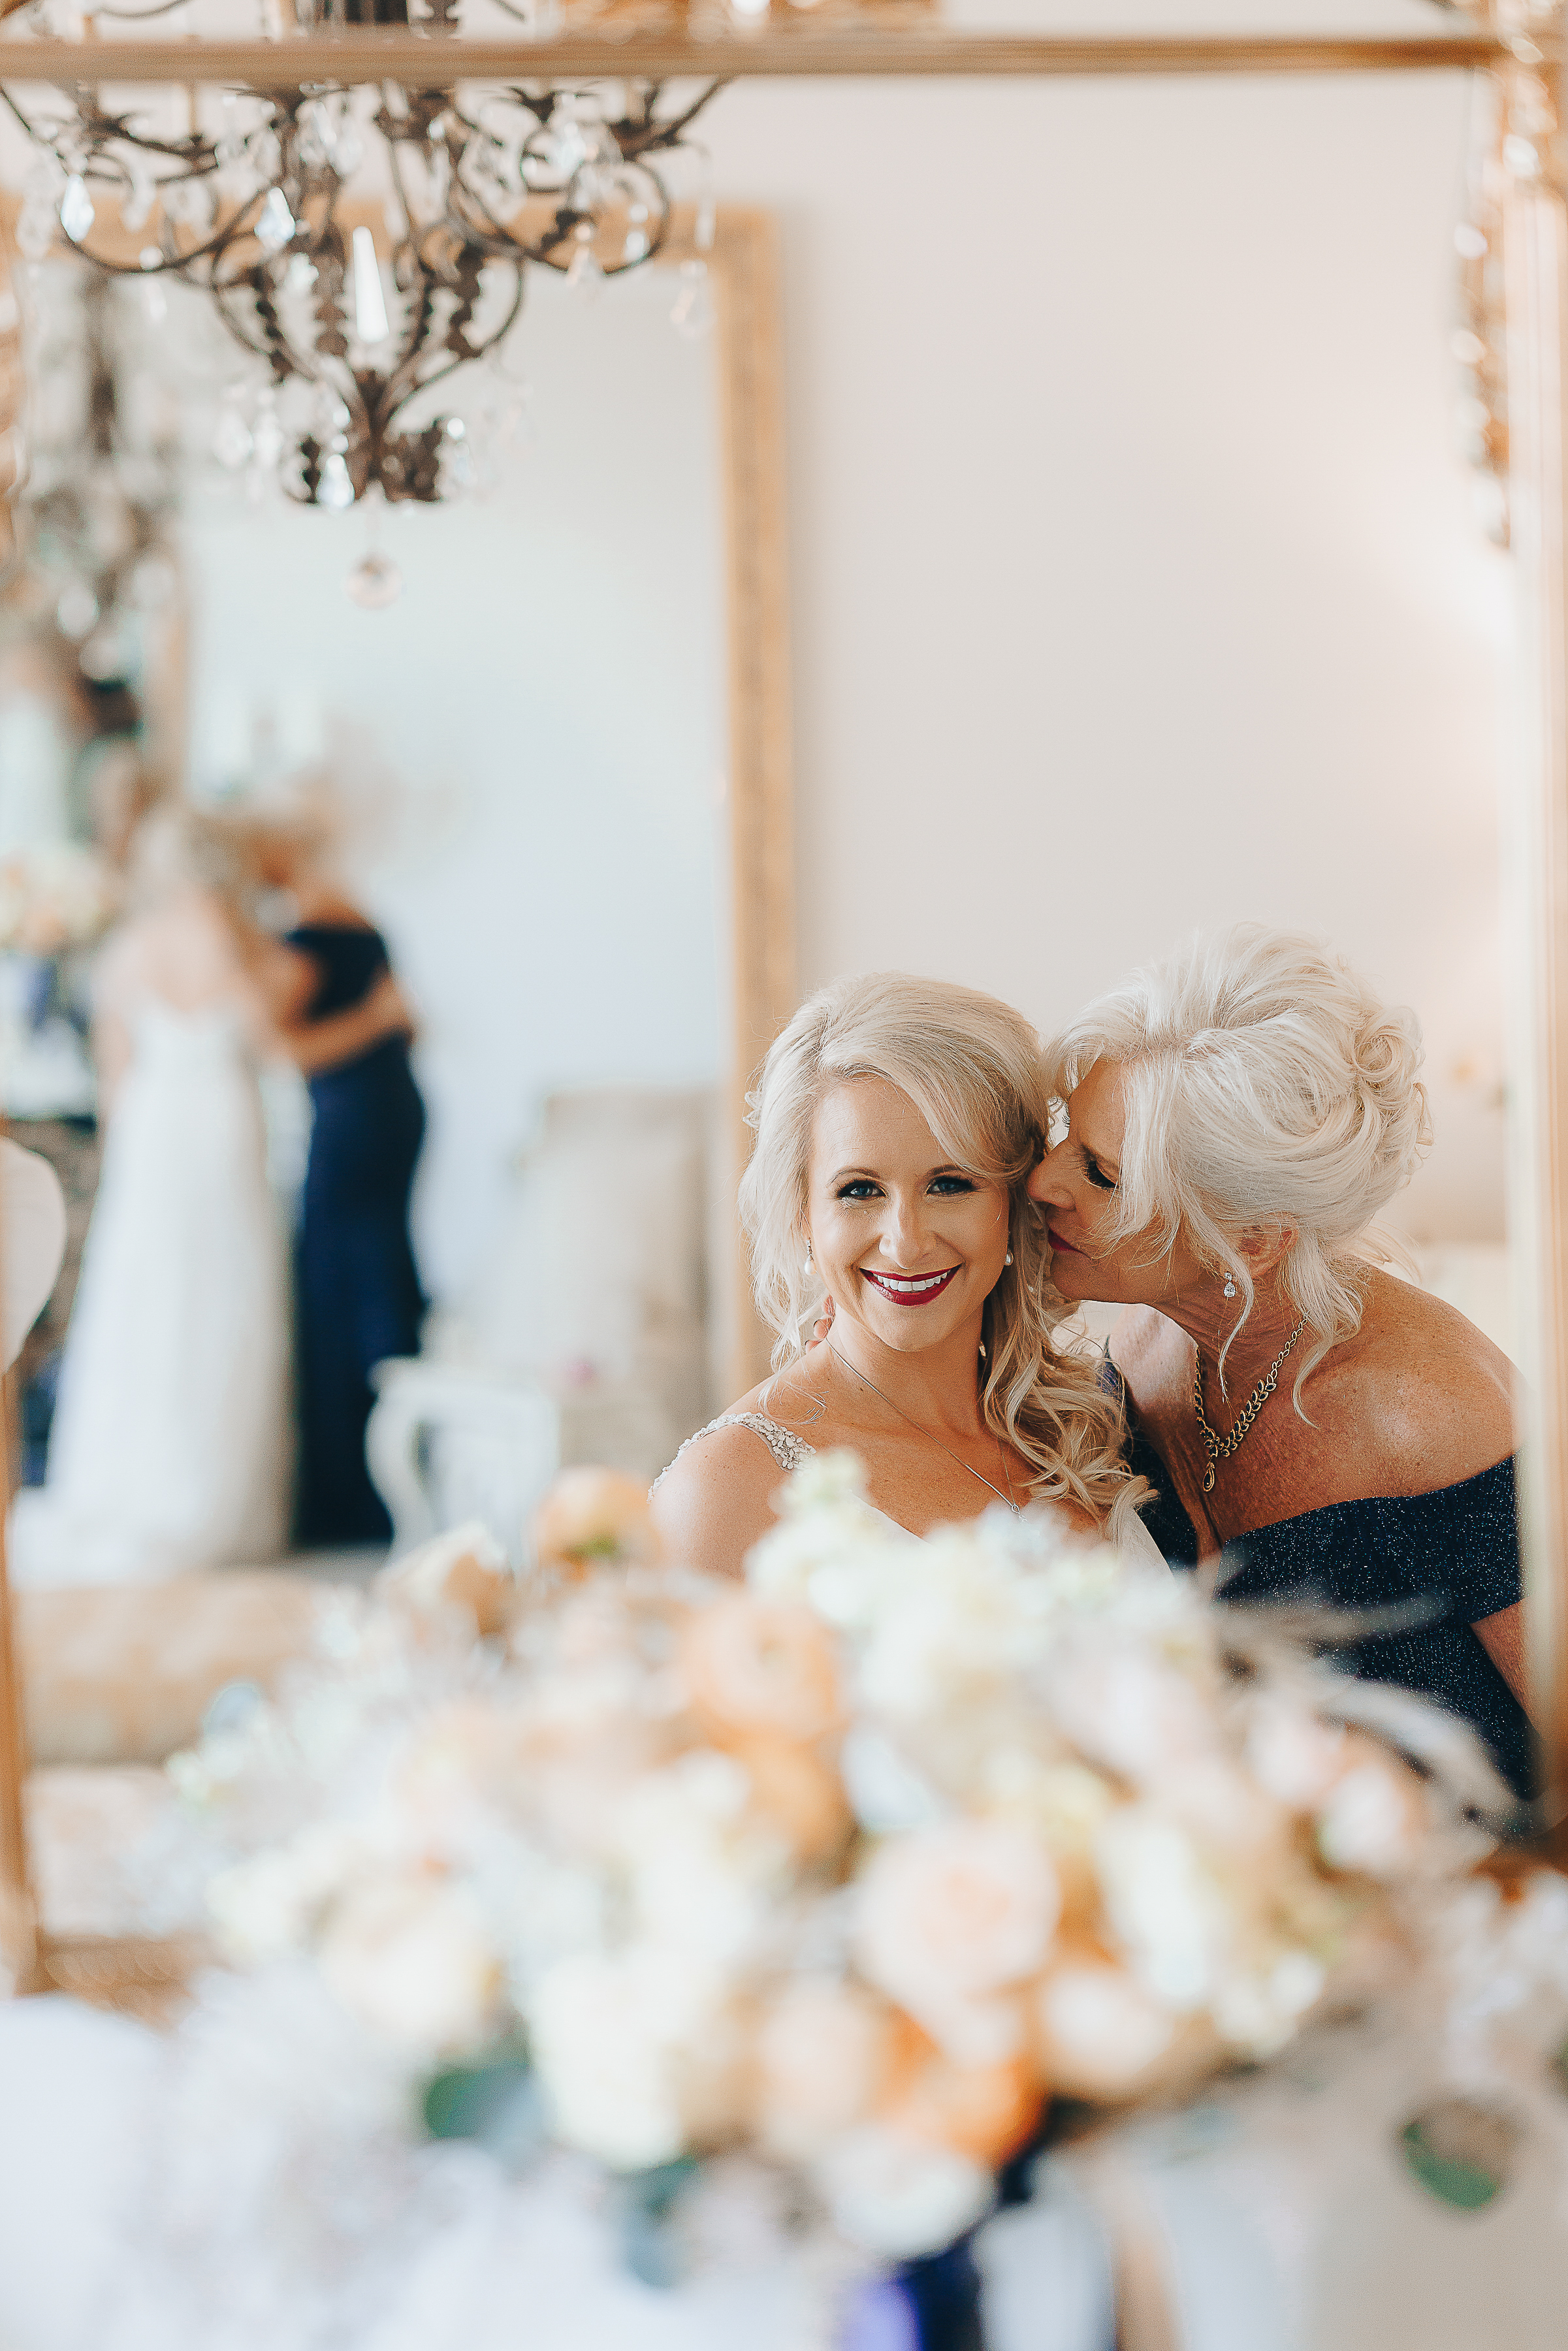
<point>926,1433</point>
<point>1220,1449</point>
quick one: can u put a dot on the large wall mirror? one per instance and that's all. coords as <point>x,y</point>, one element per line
<point>538,731</point>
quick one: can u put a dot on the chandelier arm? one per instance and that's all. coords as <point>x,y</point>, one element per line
<point>223,295</point>
<point>497,241</point>
<point>234,227</point>
<point>670,130</point>
<point>450,365</point>
<point>404,370</point>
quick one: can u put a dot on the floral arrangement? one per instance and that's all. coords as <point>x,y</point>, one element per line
<point>53,896</point>
<point>853,1869</point>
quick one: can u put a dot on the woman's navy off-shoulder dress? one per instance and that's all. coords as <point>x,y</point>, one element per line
<point>359,1298</point>
<point>1446,1559</point>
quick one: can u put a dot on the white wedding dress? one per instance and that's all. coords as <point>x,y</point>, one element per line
<point>170,1450</point>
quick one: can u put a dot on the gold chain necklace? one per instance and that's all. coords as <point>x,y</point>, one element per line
<point>1220,1449</point>
<point>926,1433</point>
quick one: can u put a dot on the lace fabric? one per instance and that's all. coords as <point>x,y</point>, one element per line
<point>788,1450</point>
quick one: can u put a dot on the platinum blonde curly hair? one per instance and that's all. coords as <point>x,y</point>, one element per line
<point>1267,1088</point>
<point>972,1067</point>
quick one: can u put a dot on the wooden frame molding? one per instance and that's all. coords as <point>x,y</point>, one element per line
<point>761,913</point>
<point>1535,259</point>
<point>799,49</point>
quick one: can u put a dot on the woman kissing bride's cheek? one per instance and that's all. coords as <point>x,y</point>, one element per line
<point>898,1121</point>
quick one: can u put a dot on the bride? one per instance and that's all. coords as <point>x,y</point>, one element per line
<point>169,1448</point>
<point>897,1123</point>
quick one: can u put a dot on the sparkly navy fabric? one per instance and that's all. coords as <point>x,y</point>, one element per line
<point>1454,1555</point>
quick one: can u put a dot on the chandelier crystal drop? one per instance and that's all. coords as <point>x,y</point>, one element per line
<point>367,302</point>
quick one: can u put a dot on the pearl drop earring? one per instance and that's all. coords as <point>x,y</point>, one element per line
<point>1009,1259</point>
<point>1229,1287</point>
<point>806,1262</point>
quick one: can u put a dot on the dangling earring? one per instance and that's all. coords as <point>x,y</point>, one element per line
<point>1009,1259</point>
<point>806,1262</point>
<point>1229,1287</point>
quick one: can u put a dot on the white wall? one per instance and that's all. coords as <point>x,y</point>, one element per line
<point>538,724</point>
<point>1136,580</point>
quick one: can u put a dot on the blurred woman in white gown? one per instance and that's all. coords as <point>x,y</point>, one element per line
<point>171,1445</point>
<point>169,1448</point>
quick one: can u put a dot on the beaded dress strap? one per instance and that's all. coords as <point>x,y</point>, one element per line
<point>788,1450</point>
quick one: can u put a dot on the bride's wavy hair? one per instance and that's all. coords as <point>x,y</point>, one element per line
<point>972,1067</point>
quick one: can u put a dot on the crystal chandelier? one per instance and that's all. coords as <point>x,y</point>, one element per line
<point>102,491</point>
<point>256,212</point>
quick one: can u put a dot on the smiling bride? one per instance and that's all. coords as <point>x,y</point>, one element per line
<point>897,1123</point>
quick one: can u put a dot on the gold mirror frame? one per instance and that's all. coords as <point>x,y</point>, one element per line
<point>1521,45</point>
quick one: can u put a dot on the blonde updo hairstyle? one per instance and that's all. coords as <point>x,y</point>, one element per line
<point>972,1067</point>
<point>1266,1089</point>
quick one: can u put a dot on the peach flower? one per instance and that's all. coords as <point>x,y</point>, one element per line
<point>465,1569</point>
<point>985,2111</point>
<point>761,1666</point>
<point>828,2055</point>
<point>591,1516</point>
<point>802,1796</point>
<point>951,1920</point>
<point>1098,2033</point>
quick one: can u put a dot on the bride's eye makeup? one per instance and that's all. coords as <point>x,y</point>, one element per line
<point>864,1188</point>
<point>1096,1174</point>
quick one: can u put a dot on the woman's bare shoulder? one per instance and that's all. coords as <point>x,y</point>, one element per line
<point>715,1499</point>
<point>1434,1390</point>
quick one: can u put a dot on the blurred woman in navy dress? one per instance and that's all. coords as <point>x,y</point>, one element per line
<point>358,1296</point>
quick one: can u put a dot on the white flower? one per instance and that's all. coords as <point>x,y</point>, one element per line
<point>410,1957</point>
<point>1259,2011</point>
<point>951,1918</point>
<point>963,1615</point>
<point>830,1480</point>
<point>705,1870</point>
<point>886,1793</point>
<point>623,2044</point>
<point>1293,1755</point>
<point>267,1907</point>
<point>1374,1819</point>
<point>899,2196</point>
<point>1165,1905</point>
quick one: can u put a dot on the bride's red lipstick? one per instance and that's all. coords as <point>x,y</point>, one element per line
<point>911,1288</point>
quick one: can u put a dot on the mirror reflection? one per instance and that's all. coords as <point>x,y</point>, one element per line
<point>504,787</point>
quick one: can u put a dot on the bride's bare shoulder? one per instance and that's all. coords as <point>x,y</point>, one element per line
<point>715,1500</point>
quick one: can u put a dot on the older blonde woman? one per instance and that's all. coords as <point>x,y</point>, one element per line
<point>1235,1121</point>
<point>897,1122</point>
